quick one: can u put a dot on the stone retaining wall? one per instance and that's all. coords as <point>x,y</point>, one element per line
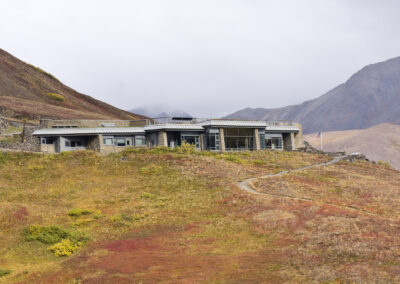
<point>28,141</point>
<point>3,124</point>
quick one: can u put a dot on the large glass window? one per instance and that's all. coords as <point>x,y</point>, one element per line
<point>273,141</point>
<point>212,139</point>
<point>47,141</point>
<point>238,139</point>
<point>108,140</point>
<point>192,139</point>
<point>262,140</point>
<point>140,140</point>
<point>120,142</point>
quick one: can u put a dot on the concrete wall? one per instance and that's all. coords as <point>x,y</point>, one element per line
<point>298,137</point>
<point>48,148</point>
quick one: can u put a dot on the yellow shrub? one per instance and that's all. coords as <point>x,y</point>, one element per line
<point>186,148</point>
<point>65,248</point>
<point>56,97</point>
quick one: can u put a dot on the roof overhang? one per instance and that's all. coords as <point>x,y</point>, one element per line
<point>174,127</point>
<point>282,129</point>
<point>88,131</point>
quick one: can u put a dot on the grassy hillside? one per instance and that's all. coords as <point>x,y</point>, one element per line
<point>378,143</point>
<point>28,91</point>
<point>177,216</point>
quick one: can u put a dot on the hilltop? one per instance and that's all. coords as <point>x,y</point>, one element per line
<point>370,97</point>
<point>26,91</point>
<point>381,142</point>
<point>179,216</point>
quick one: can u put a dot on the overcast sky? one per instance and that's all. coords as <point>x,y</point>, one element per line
<point>208,58</point>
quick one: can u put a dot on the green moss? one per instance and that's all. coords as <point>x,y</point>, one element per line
<point>76,212</point>
<point>45,235</point>
<point>4,272</point>
<point>52,234</point>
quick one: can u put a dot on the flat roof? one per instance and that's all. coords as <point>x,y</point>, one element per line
<point>175,126</point>
<point>88,131</point>
<point>166,127</point>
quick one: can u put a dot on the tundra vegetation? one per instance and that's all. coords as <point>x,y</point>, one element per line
<point>150,215</point>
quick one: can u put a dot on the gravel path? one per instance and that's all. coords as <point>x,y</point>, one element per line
<point>246,185</point>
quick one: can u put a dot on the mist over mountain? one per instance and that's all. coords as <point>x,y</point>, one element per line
<point>157,111</point>
<point>370,97</point>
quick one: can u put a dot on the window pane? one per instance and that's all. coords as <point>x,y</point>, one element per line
<point>120,141</point>
<point>140,140</point>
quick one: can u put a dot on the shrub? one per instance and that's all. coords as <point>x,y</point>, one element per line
<point>52,234</point>
<point>76,212</point>
<point>3,158</point>
<point>65,247</point>
<point>186,148</point>
<point>43,72</point>
<point>45,235</point>
<point>4,272</point>
<point>384,164</point>
<point>117,221</point>
<point>56,97</point>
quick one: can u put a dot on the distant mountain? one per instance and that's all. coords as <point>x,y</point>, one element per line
<point>369,97</point>
<point>27,91</point>
<point>156,111</point>
<point>380,142</point>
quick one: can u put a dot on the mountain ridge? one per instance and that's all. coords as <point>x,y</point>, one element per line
<point>27,91</point>
<point>369,97</point>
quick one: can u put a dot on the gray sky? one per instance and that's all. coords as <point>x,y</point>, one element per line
<point>209,58</point>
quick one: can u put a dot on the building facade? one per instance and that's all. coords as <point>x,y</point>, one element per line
<point>205,134</point>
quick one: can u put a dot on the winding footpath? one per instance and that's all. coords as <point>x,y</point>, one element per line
<point>247,185</point>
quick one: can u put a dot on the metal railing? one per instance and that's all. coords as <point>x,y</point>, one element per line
<point>196,120</point>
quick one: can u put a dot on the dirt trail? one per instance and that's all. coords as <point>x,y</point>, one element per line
<point>247,185</point>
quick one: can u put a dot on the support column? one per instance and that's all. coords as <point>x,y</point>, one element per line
<point>162,139</point>
<point>201,142</point>
<point>288,142</point>
<point>293,146</point>
<point>256,140</point>
<point>221,140</point>
<point>101,145</point>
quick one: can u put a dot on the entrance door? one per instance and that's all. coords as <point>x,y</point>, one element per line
<point>192,139</point>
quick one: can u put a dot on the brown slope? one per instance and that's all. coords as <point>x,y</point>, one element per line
<point>381,142</point>
<point>370,97</point>
<point>24,92</point>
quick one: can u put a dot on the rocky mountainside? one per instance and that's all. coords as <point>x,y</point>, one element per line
<point>29,92</point>
<point>380,142</point>
<point>369,97</point>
